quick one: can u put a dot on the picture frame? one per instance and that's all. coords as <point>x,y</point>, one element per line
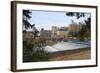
<point>21,63</point>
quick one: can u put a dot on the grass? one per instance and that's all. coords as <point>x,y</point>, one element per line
<point>79,55</point>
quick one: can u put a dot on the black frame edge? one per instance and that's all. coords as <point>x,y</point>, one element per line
<point>96,35</point>
<point>13,36</point>
<point>55,4</point>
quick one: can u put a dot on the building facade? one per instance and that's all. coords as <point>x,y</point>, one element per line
<point>45,34</point>
<point>63,33</point>
<point>74,28</point>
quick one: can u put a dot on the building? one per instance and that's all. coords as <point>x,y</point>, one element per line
<point>45,34</point>
<point>74,28</point>
<point>63,33</point>
<point>59,33</point>
<point>54,34</point>
<point>54,31</point>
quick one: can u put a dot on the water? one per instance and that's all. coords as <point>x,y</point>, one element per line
<point>70,45</point>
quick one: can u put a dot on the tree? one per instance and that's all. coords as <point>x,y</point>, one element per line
<point>77,14</point>
<point>34,51</point>
<point>85,31</point>
<point>26,17</point>
<point>88,23</point>
<point>82,33</point>
<point>27,51</point>
<point>35,31</point>
<point>32,46</point>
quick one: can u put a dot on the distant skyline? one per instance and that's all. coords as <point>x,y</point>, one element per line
<point>47,19</point>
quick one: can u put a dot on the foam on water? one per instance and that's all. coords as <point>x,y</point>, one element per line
<point>62,46</point>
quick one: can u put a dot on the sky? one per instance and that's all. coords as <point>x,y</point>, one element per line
<point>47,19</point>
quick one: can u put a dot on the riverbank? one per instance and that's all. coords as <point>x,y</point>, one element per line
<point>79,54</point>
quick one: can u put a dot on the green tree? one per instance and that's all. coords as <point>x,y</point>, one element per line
<point>85,31</point>
<point>32,47</point>
<point>34,51</point>
<point>35,31</point>
<point>88,23</point>
<point>77,14</point>
<point>82,33</point>
<point>26,17</point>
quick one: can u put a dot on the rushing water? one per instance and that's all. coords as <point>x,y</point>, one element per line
<point>70,45</point>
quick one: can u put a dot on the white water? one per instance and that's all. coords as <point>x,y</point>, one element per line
<point>62,46</point>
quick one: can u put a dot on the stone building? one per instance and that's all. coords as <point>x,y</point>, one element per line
<point>63,33</point>
<point>45,34</point>
<point>74,28</point>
